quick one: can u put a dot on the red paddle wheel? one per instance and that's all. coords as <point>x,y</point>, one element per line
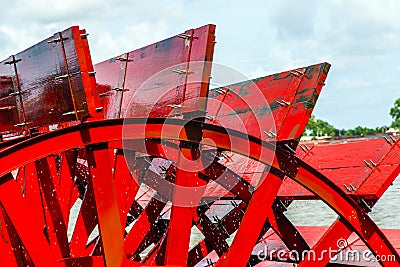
<point>136,161</point>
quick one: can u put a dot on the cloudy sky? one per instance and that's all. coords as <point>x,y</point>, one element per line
<point>361,39</point>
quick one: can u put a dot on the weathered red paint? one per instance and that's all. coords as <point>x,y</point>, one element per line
<point>343,162</point>
<point>275,107</point>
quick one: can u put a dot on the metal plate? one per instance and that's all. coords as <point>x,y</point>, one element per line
<point>153,81</point>
<point>277,105</point>
<point>50,82</point>
<point>160,80</point>
<point>343,163</point>
<point>9,111</point>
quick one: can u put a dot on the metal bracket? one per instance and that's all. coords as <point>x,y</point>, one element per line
<point>175,106</point>
<point>14,61</point>
<point>187,36</point>
<point>270,134</point>
<point>61,77</point>
<point>179,71</point>
<point>372,163</point>
<point>22,124</point>
<point>220,224</point>
<point>387,140</point>
<point>289,148</point>
<point>119,89</point>
<point>367,164</point>
<point>209,262</point>
<point>7,108</point>
<point>72,112</point>
<point>348,189</point>
<point>15,93</point>
<point>57,40</point>
<point>283,103</point>
<point>365,205</point>
<point>299,73</point>
<point>104,94</point>
<point>211,118</point>
<point>123,59</point>
<point>222,92</point>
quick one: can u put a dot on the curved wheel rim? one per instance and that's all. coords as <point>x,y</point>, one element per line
<point>111,131</point>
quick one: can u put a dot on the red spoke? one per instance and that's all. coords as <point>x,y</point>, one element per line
<point>126,184</point>
<point>185,199</point>
<point>56,222</point>
<point>31,234</point>
<point>253,221</point>
<point>106,204</point>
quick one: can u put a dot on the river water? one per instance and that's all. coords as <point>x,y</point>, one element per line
<point>385,213</point>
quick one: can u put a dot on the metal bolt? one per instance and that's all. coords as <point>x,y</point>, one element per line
<point>296,73</point>
<point>175,106</point>
<point>72,112</point>
<point>123,59</point>
<point>61,77</point>
<point>386,139</point>
<point>225,155</point>
<point>373,163</point>
<point>14,93</point>
<point>272,133</point>
<point>222,92</point>
<point>185,36</point>
<point>163,168</point>
<point>119,89</point>
<point>69,113</point>
<point>180,71</point>
<point>268,134</point>
<point>283,103</point>
<point>22,124</point>
<point>57,40</point>
<point>347,188</point>
<point>211,118</point>
<point>352,187</point>
<point>290,149</point>
<point>366,163</point>
<point>7,107</point>
<point>366,204</point>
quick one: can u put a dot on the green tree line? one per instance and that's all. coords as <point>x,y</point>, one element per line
<point>318,127</point>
